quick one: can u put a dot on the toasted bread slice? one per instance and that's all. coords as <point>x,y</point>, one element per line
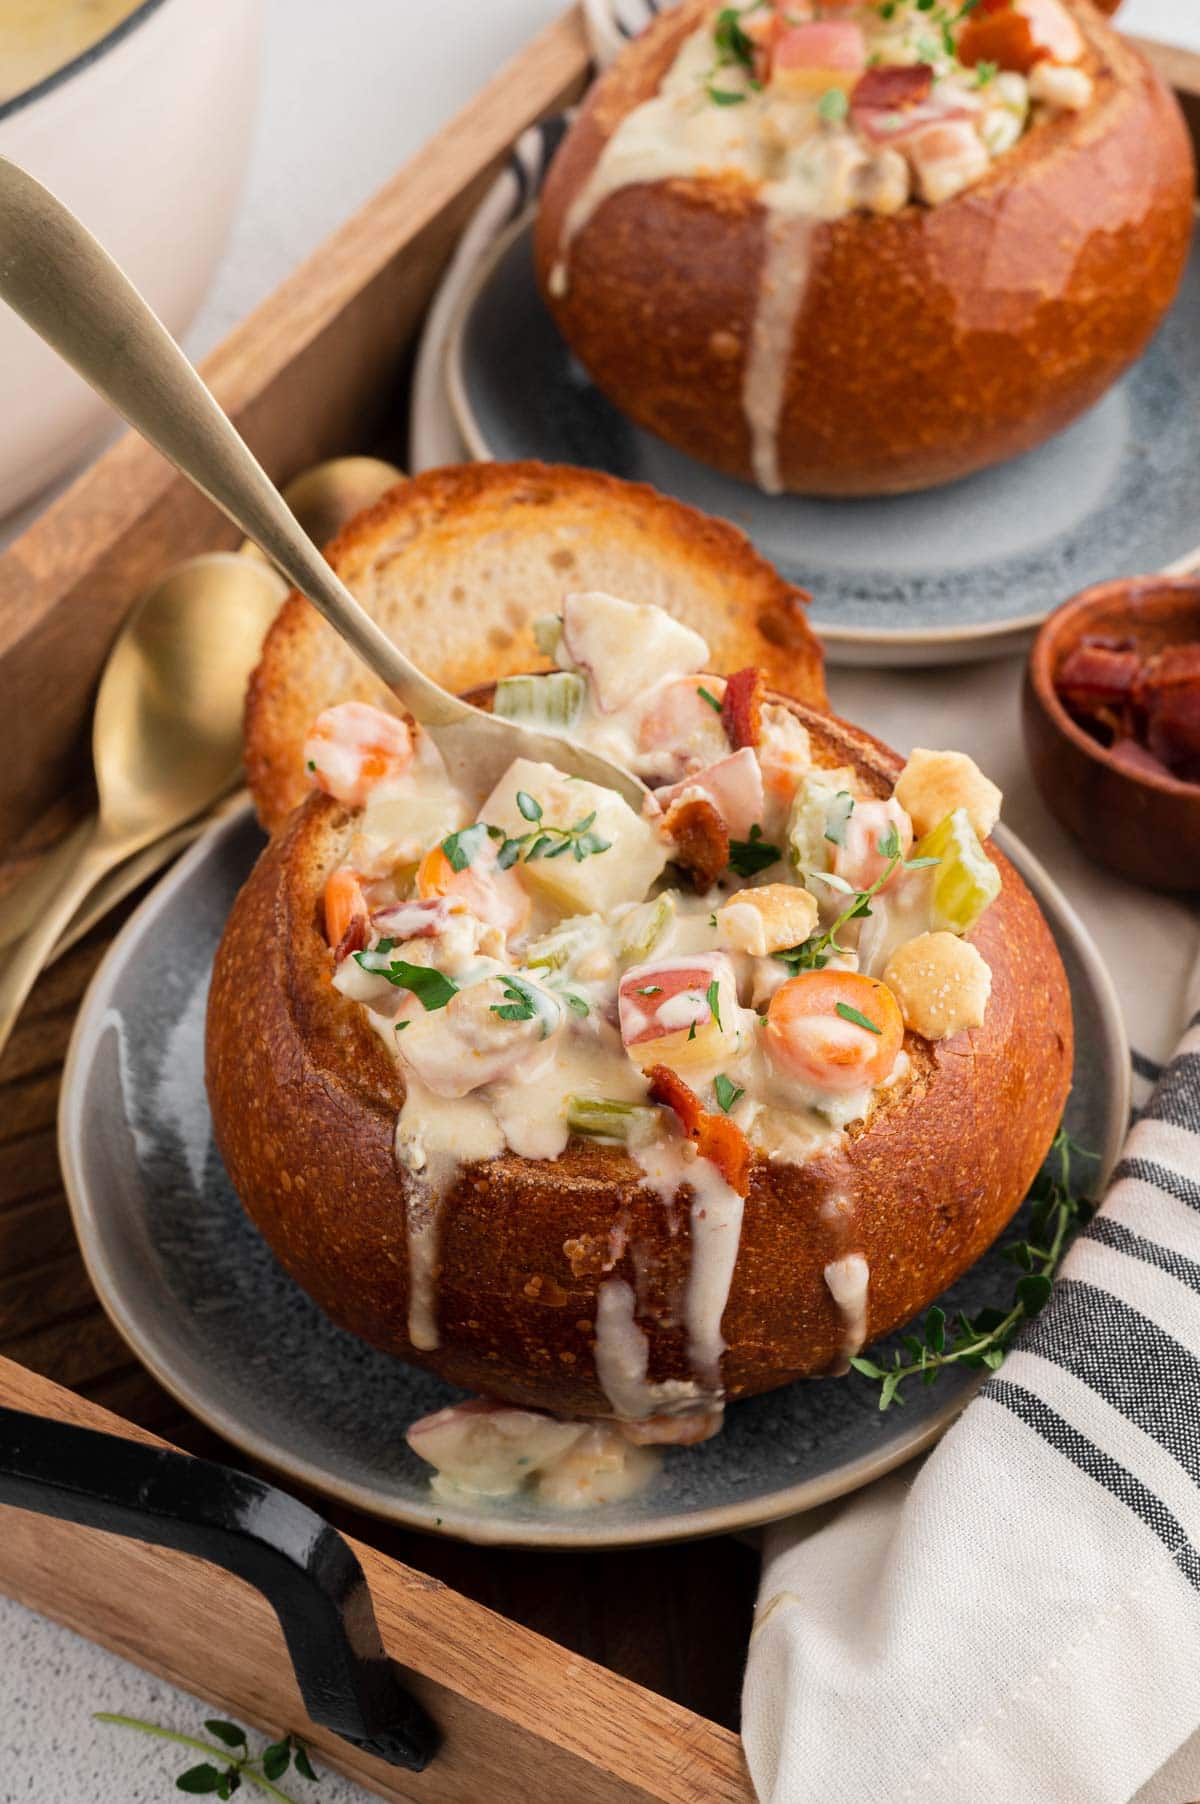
<point>455,563</point>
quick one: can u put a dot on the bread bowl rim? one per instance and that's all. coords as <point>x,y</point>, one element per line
<point>89,1218</point>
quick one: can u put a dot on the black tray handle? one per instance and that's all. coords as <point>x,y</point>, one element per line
<point>302,1566</point>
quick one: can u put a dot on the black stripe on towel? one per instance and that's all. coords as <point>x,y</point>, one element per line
<point>1099,1466</point>
<point>1177,1098</point>
<point>1149,1171</point>
<point>1124,1357</point>
<point>1121,1239</point>
<point>1144,1067</point>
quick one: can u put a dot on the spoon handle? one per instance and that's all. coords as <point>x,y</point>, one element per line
<point>66,286</point>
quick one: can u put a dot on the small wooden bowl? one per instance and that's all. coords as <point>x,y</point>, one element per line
<point>1144,826</point>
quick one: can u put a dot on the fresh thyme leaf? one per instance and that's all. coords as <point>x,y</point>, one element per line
<point>749,856</point>
<point>545,841</point>
<point>508,854</point>
<point>463,848</point>
<point>202,1778</point>
<point>724,96</point>
<point>706,695</point>
<point>727,1092</point>
<point>303,1763</point>
<point>848,1013</point>
<point>311,765</point>
<point>433,989</point>
<point>277,1758</point>
<point>811,956</point>
<point>529,806</point>
<point>576,1003</point>
<point>888,843</point>
<point>712,996</point>
<point>229,1733</point>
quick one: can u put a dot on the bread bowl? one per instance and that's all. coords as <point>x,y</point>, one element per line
<point>718,268</point>
<point>510,1111</point>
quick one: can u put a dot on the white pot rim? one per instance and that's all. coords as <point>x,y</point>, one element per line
<point>59,77</point>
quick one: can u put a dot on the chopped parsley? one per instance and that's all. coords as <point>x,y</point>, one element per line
<point>859,1019</point>
<point>733,44</point>
<point>727,1092</point>
<point>432,989</point>
<point>525,1002</point>
<point>712,996</point>
<point>706,695</point>
<point>463,848</point>
<point>749,856</point>
<point>724,97</point>
<point>575,1003</point>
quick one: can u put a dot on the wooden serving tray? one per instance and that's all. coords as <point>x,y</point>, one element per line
<point>561,1677</point>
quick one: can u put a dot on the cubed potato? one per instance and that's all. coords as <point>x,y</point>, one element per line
<point>634,856</point>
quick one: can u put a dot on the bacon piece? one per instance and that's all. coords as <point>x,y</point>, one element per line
<point>353,940</point>
<point>742,706</point>
<point>733,785</point>
<point>1169,693</point>
<point>1097,680</point>
<point>717,1138</point>
<point>701,841</point>
<point>892,89</point>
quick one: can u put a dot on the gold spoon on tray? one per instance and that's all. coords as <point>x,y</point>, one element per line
<point>166,734</point>
<point>322,499</point>
<point>60,281</point>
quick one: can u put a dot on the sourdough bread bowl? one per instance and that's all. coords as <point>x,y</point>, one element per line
<point>305,1100</point>
<point>869,352</point>
<point>457,562</point>
<point>650,1279</point>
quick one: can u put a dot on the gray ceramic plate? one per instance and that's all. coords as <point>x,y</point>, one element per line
<point>962,572</point>
<point>200,1299</point>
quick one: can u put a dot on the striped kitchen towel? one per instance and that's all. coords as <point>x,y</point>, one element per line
<point>1021,1621</point>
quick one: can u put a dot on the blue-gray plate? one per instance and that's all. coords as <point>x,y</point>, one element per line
<point>962,572</point>
<point>199,1297</point>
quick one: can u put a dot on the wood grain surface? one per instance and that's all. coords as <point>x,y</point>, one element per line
<point>675,1620</point>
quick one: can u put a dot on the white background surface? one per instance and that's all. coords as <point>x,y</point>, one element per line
<point>349,92</point>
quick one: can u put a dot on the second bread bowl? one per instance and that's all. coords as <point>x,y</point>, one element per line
<point>841,298</point>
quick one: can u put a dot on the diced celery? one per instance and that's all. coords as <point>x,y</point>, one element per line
<point>553,700</point>
<point>547,631</point>
<point>643,927</point>
<point>554,950</point>
<point>821,807</point>
<point>965,881</point>
<point>631,1123</point>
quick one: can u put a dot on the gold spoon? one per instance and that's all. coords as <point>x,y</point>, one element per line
<point>60,281</point>
<point>166,735</point>
<point>323,499</point>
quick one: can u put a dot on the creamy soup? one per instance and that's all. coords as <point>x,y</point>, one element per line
<point>723,978</point>
<point>38,37</point>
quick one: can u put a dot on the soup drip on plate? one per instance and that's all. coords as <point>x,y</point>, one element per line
<point>726,977</point>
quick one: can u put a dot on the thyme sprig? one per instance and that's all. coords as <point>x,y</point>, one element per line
<point>984,1339</point>
<point>259,1770</point>
<point>819,948</point>
<point>545,841</point>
